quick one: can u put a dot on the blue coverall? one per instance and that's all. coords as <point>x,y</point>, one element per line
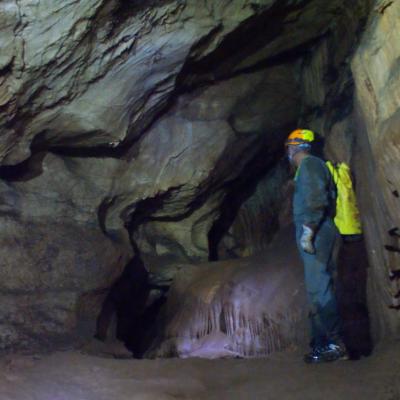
<point>314,205</point>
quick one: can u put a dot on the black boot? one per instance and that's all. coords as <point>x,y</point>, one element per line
<point>320,354</point>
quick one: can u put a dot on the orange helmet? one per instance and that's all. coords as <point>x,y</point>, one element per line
<point>300,136</point>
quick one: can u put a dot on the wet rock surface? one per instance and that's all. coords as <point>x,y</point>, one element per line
<point>162,124</point>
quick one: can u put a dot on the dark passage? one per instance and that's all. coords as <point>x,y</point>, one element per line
<point>352,297</point>
<point>128,299</point>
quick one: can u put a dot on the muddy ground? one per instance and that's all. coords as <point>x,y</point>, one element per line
<point>72,375</point>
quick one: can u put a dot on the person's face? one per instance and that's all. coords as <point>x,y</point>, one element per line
<point>290,152</point>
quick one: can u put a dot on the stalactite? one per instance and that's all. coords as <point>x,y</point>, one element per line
<point>235,308</point>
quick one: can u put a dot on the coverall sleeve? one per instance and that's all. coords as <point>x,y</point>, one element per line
<point>313,182</point>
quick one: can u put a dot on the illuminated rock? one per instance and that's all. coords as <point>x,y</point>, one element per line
<point>238,308</point>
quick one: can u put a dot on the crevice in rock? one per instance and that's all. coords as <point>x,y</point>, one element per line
<point>102,214</point>
<point>100,151</point>
<point>247,39</point>
<point>143,211</point>
<point>17,32</point>
<point>25,171</point>
<point>237,192</point>
<point>7,69</point>
<point>125,10</point>
<point>126,299</point>
<point>131,300</point>
<point>186,83</point>
<point>352,298</point>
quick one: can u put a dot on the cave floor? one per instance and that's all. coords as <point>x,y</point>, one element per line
<point>71,375</point>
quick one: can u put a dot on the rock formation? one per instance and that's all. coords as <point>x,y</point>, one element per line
<point>161,123</point>
<point>238,308</point>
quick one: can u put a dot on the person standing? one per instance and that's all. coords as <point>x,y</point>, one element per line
<point>316,234</point>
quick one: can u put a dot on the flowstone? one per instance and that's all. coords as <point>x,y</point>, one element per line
<point>238,308</point>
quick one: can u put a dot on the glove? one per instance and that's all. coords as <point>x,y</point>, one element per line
<point>306,240</point>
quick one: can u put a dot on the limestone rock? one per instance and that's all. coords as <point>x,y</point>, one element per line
<point>260,216</point>
<point>352,100</point>
<point>97,72</point>
<point>209,137</point>
<point>56,261</point>
<point>150,121</point>
<point>248,307</point>
<point>377,78</point>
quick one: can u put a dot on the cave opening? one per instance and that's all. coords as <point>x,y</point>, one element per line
<point>145,193</point>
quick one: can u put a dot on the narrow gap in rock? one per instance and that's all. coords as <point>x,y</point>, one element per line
<point>135,303</point>
<point>24,171</point>
<point>236,193</point>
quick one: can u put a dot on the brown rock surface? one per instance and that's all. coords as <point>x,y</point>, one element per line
<point>56,262</point>
<point>377,78</point>
<point>155,121</point>
<point>244,308</point>
<point>352,100</point>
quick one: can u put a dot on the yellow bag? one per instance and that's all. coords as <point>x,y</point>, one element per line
<point>347,218</point>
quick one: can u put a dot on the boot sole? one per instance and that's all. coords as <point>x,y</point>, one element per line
<point>326,359</point>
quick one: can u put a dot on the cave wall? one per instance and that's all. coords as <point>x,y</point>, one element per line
<point>261,216</point>
<point>376,71</point>
<point>154,122</point>
<point>353,102</point>
<point>226,136</point>
<point>57,263</point>
<point>326,88</point>
<point>85,152</point>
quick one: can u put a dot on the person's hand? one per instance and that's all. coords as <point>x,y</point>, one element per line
<point>306,240</point>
